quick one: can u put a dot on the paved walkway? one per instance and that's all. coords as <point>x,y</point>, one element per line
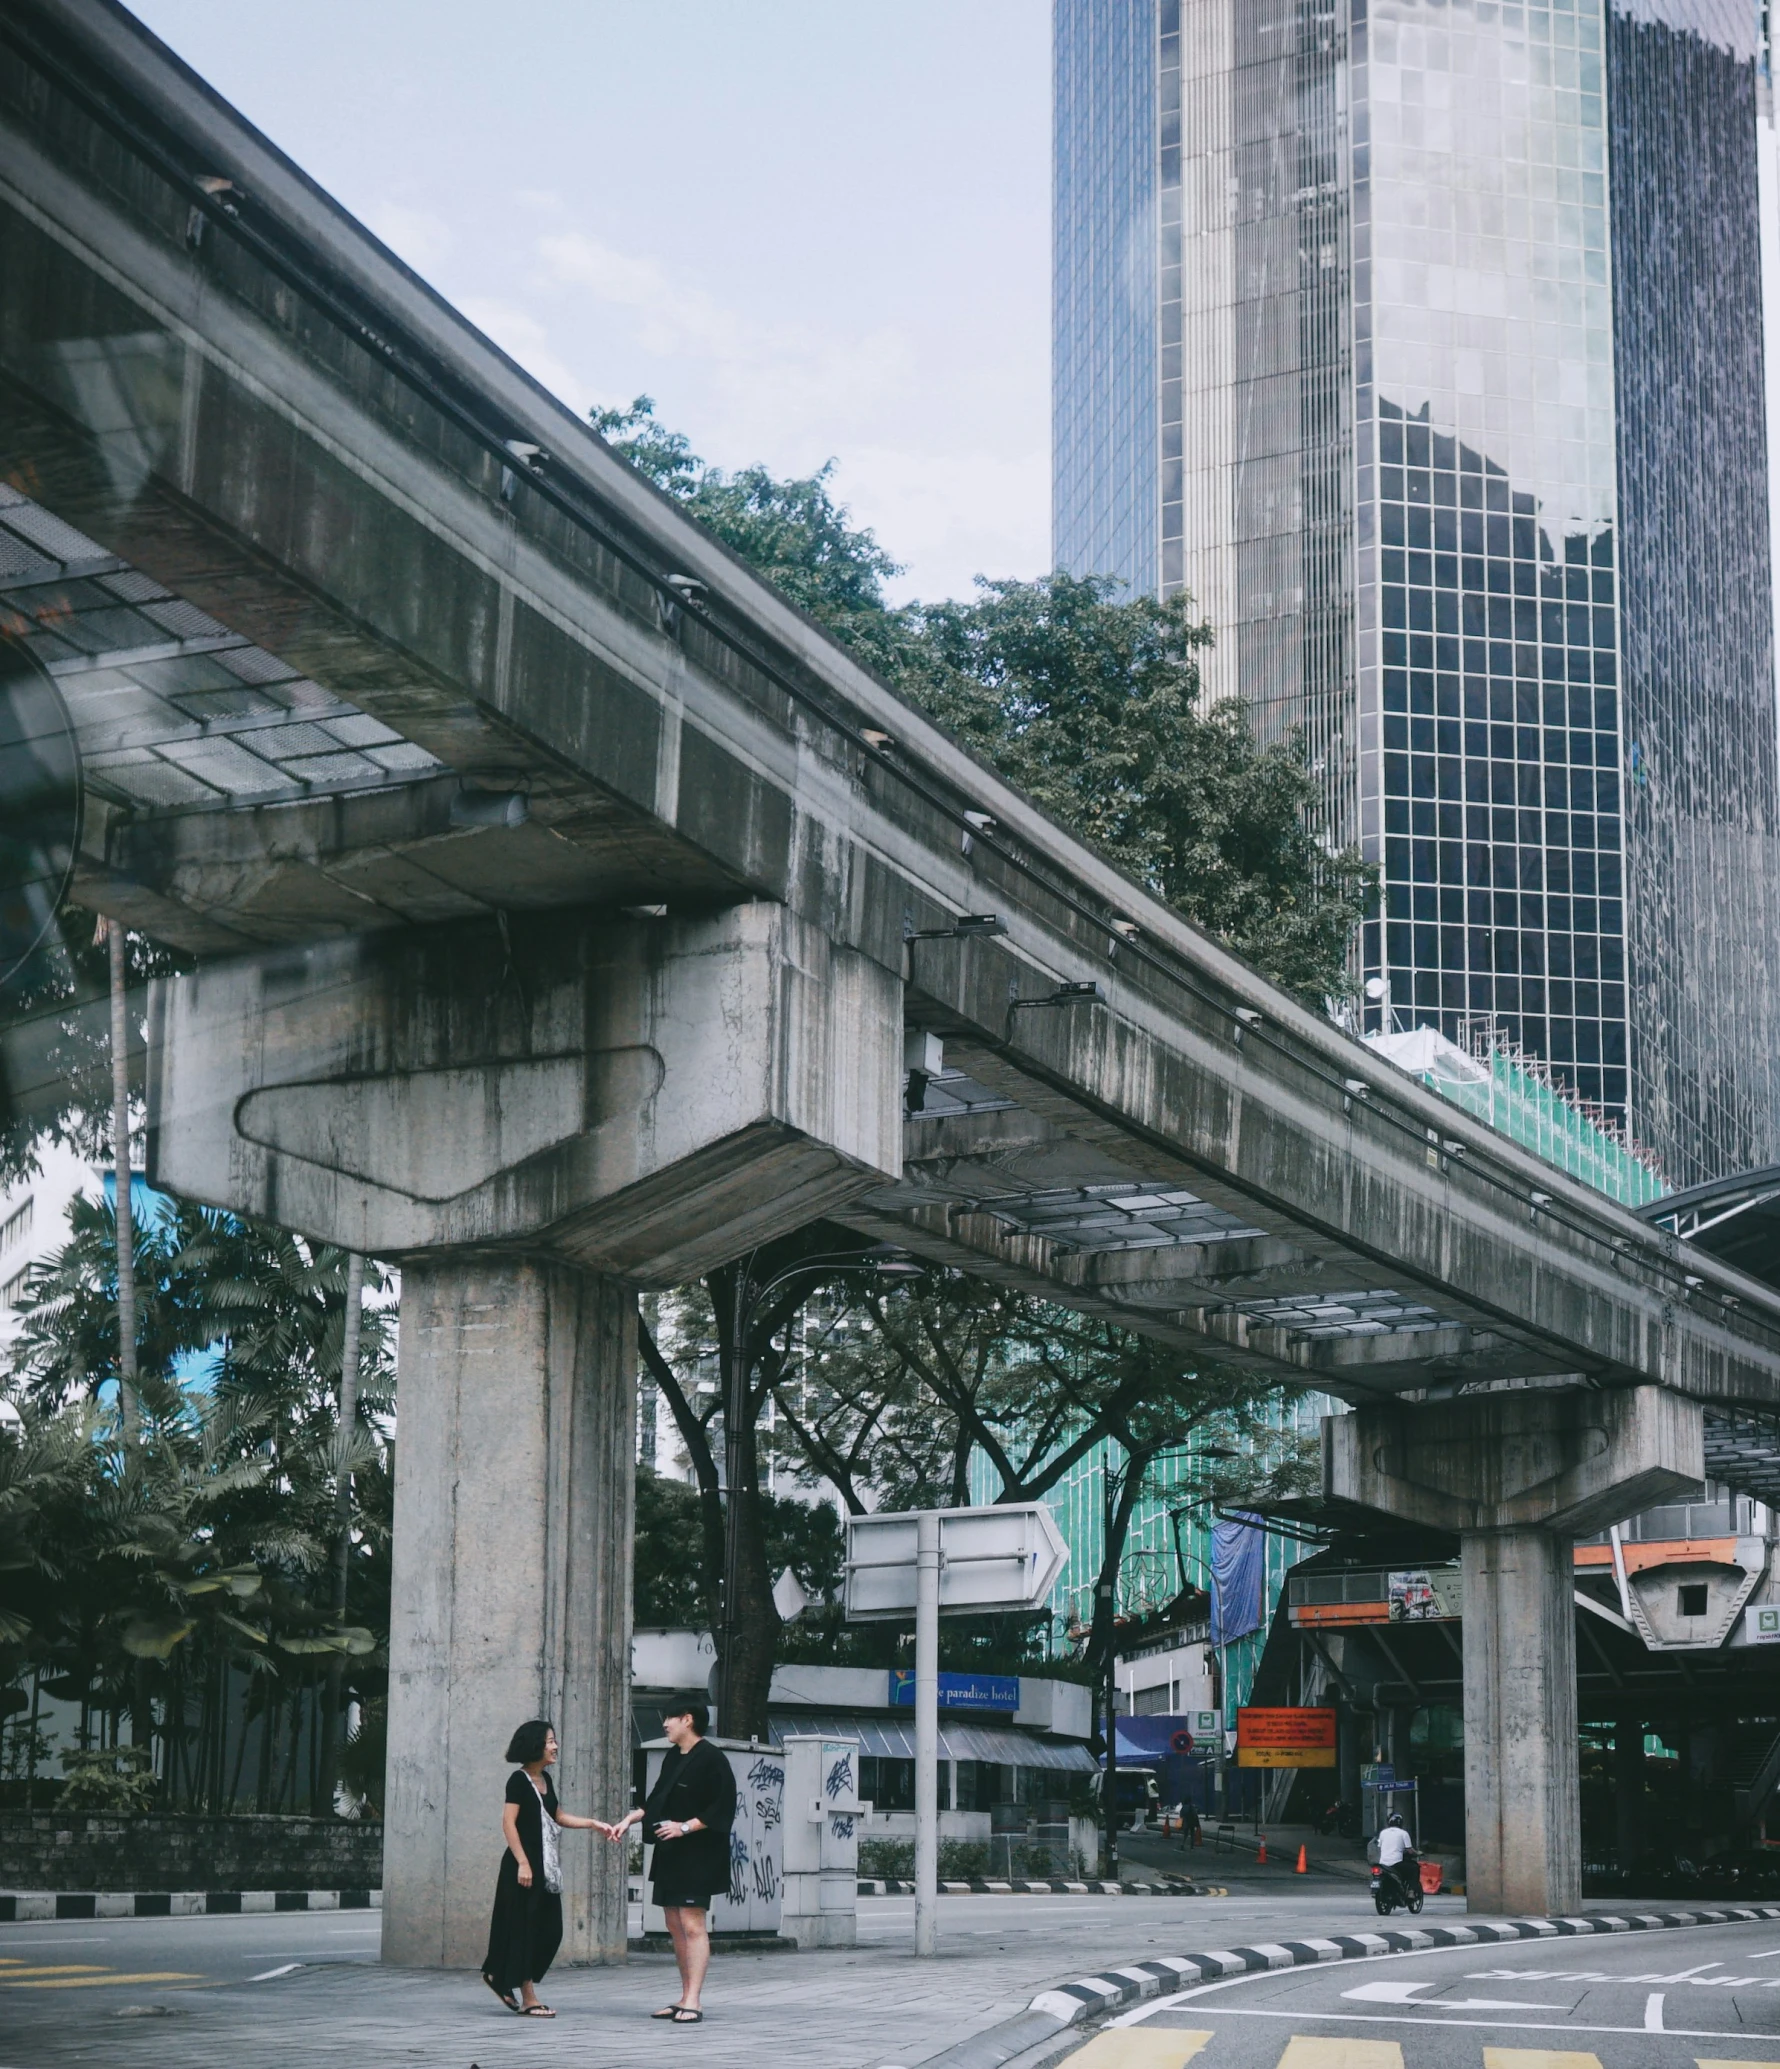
<point>858,2009</point>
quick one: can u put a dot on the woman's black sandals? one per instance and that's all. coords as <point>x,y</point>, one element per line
<point>534,2011</point>
<point>498,1991</point>
<point>684,2015</point>
<point>668,2011</point>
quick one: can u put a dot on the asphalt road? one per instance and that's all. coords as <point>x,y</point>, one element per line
<point>133,1955</point>
<point>1664,2000</point>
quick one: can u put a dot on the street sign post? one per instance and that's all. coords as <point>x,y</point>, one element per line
<point>929,1563</point>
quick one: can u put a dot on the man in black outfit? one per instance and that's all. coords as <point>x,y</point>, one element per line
<point>688,1816</point>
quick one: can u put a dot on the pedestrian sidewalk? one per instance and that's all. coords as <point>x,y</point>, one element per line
<point>853,2009</point>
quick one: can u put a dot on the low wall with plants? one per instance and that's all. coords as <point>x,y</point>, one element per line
<point>83,1850</point>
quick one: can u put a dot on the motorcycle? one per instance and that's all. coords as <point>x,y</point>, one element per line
<point>1396,1889</point>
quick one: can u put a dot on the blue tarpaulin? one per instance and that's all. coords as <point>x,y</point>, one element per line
<point>1238,1561</point>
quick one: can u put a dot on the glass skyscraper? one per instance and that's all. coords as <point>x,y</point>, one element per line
<point>1421,342</point>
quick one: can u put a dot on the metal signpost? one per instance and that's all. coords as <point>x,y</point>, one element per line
<point>930,1563</point>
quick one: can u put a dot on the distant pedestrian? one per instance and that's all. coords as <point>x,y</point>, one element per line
<point>526,1929</point>
<point>688,1816</point>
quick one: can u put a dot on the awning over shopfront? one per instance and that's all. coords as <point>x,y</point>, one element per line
<point>886,1738</point>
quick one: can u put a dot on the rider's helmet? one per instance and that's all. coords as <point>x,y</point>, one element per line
<point>1395,1818</point>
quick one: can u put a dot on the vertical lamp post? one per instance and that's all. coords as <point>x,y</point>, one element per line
<point>747,1299</point>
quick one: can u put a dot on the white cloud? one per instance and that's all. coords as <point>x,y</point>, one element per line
<point>415,234</point>
<point>520,335</point>
<point>951,516</point>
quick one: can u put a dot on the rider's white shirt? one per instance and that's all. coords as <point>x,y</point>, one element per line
<point>1393,1844</point>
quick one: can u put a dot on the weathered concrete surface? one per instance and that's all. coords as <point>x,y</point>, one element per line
<point>293,433</point>
<point>510,1591</point>
<point>644,1097</point>
<point>1562,1459</point>
<point>1523,1800</point>
<point>1519,1473</point>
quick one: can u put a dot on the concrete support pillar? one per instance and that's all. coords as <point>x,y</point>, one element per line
<point>1519,1473</point>
<point>511,1588</point>
<point>1523,1845</point>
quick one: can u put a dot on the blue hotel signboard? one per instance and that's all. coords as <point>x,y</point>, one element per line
<point>958,1691</point>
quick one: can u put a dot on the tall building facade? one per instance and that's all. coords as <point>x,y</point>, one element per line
<point>1421,342</point>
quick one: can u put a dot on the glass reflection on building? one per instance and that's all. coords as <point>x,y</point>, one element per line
<point>1459,444</point>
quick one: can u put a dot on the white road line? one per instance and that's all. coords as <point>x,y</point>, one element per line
<point>1304,1969</point>
<point>289,1969</point>
<point>1653,2012</point>
<point>1304,2017</point>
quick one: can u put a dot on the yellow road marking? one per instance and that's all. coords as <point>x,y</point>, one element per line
<point>61,1968</point>
<point>165,1975</point>
<point>1306,2052</point>
<point>1139,2047</point>
<point>1536,2058</point>
<point>1703,2062</point>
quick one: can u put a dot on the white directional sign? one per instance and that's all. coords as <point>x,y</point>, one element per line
<point>989,1559</point>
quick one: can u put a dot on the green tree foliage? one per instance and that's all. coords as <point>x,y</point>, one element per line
<point>1089,702</point>
<point>184,1582</point>
<point>897,1389</point>
<point>792,532</point>
<point>55,1073</point>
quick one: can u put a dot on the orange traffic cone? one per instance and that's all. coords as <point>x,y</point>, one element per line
<point>1303,1867</point>
<point>1261,1856</point>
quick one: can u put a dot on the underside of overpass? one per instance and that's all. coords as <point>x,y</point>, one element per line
<point>566,914</point>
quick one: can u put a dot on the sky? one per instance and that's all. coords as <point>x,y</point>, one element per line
<point>807,228</point>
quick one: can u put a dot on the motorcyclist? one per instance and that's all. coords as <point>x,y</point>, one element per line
<point>1396,1854</point>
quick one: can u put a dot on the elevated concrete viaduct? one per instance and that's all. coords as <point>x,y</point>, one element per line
<point>566,914</point>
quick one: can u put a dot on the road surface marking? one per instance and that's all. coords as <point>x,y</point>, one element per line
<point>1300,1970</point>
<point>266,1975</point>
<point>1304,2052</point>
<point>1536,2058</point>
<point>11,1972</point>
<point>1405,1993</point>
<point>1653,2012</point>
<point>1158,2049</point>
<point>1244,2011</point>
<point>164,1975</point>
<point>1703,2062</point>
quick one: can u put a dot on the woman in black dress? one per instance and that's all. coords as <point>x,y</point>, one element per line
<point>526,1929</point>
<point>688,1816</point>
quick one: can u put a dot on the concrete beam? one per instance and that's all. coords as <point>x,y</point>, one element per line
<point>1569,1459</point>
<point>645,1098</point>
<point>1180,1275</point>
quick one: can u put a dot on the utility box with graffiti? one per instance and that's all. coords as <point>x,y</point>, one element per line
<point>823,1813</point>
<point>752,1903</point>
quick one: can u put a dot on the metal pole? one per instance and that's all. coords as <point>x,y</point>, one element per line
<point>1108,1612</point>
<point>120,1145</point>
<point>735,1413</point>
<point>926,1730</point>
<point>348,1422</point>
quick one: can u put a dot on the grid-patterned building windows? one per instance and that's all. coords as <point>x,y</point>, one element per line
<point>1457,438</point>
<point>1104,306</point>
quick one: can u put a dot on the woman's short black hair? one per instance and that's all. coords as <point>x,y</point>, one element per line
<point>701,1717</point>
<point>527,1743</point>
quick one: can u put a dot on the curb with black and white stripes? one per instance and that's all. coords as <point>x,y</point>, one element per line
<point>19,1906</point>
<point>1052,2012</point>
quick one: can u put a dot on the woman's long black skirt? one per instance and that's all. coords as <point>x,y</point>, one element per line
<point>524,1933</point>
